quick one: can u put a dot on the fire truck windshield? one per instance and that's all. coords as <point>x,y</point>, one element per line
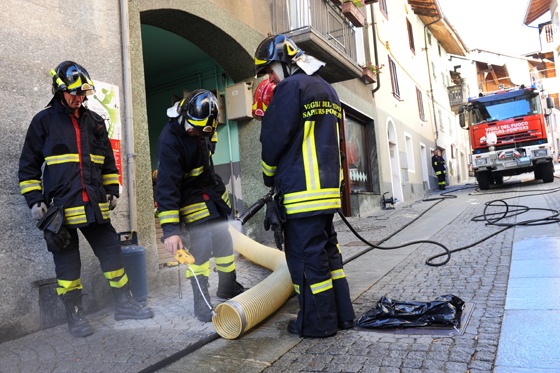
<point>500,109</point>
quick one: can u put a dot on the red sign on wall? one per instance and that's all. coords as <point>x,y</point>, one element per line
<point>116,145</point>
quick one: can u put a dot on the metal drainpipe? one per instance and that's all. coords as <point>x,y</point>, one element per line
<point>129,130</point>
<point>378,82</point>
<point>231,170</point>
<point>430,77</point>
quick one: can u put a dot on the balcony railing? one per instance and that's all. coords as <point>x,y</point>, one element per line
<point>547,35</point>
<point>320,29</point>
<point>457,96</point>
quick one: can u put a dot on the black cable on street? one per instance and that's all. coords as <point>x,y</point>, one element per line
<point>180,354</point>
<point>552,219</point>
<point>444,196</point>
<point>486,216</point>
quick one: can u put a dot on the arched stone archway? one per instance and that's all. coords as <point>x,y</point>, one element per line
<point>218,43</point>
<point>230,42</point>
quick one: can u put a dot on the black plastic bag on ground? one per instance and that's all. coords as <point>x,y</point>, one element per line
<point>445,310</point>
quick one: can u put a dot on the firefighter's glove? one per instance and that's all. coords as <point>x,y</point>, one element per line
<point>272,221</point>
<point>56,235</point>
<point>57,241</point>
<point>112,201</point>
<point>38,210</point>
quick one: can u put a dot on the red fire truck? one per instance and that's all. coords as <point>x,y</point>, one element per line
<point>508,136</point>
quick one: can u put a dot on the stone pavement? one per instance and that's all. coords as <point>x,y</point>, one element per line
<point>479,275</point>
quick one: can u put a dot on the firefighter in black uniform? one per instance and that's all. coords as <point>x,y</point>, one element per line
<point>438,164</point>
<point>191,195</point>
<point>301,160</point>
<point>80,178</point>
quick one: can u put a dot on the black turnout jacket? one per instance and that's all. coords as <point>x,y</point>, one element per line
<point>79,164</point>
<point>300,139</point>
<point>187,187</point>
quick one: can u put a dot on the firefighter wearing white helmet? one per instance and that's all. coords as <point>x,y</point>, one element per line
<point>190,194</point>
<point>301,161</point>
<point>67,165</point>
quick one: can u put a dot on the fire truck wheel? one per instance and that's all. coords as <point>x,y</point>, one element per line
<point>547,172</point>
<point>483,179</point>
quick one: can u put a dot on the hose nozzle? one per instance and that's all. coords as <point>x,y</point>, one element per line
<point>255,207</point>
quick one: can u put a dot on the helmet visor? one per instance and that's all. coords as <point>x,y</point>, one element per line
<point>202,113</point>
<point>264,55</point>
<point>78,81</point>
<point>275,48</point>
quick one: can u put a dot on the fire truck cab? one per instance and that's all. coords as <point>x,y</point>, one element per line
<point>508,135</point>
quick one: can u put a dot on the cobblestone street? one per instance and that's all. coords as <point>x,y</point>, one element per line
<point>478,275</point>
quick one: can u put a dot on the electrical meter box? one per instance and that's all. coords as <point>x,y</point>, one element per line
<point>239,99</point>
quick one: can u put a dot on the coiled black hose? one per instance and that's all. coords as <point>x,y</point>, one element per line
<point>490,219</point>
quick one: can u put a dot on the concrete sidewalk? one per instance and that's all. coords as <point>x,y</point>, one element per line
<point>529,340</point>
<point>479,275</point>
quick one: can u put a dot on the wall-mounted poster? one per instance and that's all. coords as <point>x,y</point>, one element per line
<point>105,102</point>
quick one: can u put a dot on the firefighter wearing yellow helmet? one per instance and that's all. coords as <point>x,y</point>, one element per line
<point>67,174</point>
<point>192,198</point>
<point>301,160</point>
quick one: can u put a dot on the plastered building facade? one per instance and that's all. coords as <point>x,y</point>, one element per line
<point>146,54</point>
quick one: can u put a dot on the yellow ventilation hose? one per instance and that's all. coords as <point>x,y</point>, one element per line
<point>246,310</point>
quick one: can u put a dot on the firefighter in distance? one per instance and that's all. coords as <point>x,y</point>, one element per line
<point>438,164</point>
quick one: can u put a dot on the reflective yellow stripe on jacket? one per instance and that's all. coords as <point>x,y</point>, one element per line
<point>194,212</point>
<point>99,159</point>
<point>104,207</point>
<point>225,197</point>
<point>314,198</point>
<point>29,185</point>
<point>267,169</point>
<point>195,172</point>
<point>64,158</point>
<point>109,179</point>
<point>337,274</point>
<point>190,213</point>
<point>167,217</point>
<point>75,215</point>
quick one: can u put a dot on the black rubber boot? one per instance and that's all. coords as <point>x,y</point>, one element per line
<point>127,308</point>
<point>228,287</point>
<point>78,325</point>
<point>202,310</point>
